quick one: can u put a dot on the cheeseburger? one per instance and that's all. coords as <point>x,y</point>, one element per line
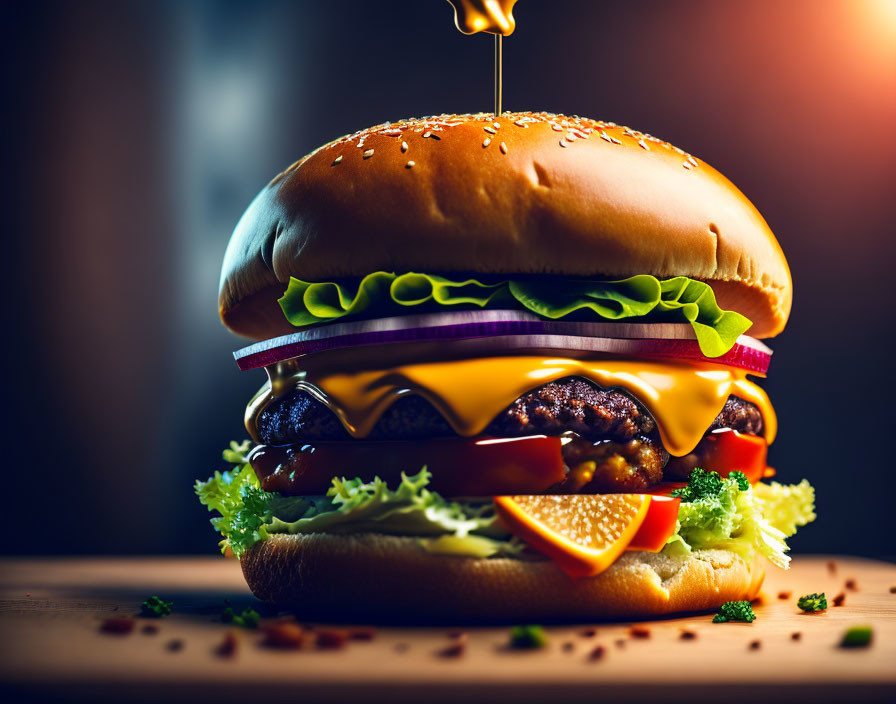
<point>509,377</point>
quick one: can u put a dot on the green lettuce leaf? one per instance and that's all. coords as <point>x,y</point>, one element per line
<point>237,497</point>
<point>381,293</point>
<point>745,521</point>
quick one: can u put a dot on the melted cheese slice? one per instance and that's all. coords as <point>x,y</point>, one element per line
<point>684,398</point>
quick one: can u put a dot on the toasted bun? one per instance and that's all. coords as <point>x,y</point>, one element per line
<point>539,194</point>
<point>372,578</point>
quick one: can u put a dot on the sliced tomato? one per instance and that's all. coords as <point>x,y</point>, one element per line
<point>731,451</point>
<point>459,466</point>
<point>658,525</point>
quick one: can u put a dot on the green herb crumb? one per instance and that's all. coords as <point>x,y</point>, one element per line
<point>527,637</point>
<point>857,637</point>
<point>813,603</point>
<point>735,611</point>
<point>248,618</point>
<point>154,607</point>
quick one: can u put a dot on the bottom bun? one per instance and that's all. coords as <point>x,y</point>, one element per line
<point>381,578</point>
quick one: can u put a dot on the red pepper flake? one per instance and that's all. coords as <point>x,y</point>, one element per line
<point>597,654</point>
<point>118,626</point>
<point>796,635</point>
<point>832,567</point>
<point>783,596</point>
<point>851,585</point>
<point>27,593</point>
<point>688,635</point>
<point>456,649</point>
<point>227,648</point>
<point>331,639</point>
<point>569,646</point>
<point>755,645</point>
<point>640,632</point>
<point>150,629</point>
<point>589,632</point>
<point>839,599</point>
<point>364,633</point>
<point>174,646</point>
<point>284,636</point>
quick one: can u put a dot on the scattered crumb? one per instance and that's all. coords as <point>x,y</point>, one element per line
<point>832,567</point>
<point>457,634</point>
<point>893,589</point>
<point>569,646</point>
<point>620,643</point>
<point>150,629</point>
<point>639,632</point>
<point>589,632</point>
<point>784,595</point>
<point>331,639</point>
<point>456,649</point>
<point>796,635</point>
<point>118,626</point>
<point>174,646</point>
<point>115,608</point>
<point>757,601</point>
<point>363,633</point>
<point>285,636</point>
<point>27,593</point>
<point>688,635</point>
<point>839,599</point>
<point>851,585</point>
<point>755,645</point>
<point>228,646</point>
<point>598,653</point>
<point>401,647</point>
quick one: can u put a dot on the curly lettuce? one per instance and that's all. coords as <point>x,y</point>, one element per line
<point>382,293</point>
<point>741,518</point>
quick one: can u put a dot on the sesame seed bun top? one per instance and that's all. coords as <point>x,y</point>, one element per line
<point>524,193</point>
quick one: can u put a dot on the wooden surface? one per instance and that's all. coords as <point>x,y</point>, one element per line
<point>51,610</point>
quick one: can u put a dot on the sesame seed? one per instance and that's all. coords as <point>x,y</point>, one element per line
<point>692,160</point>
<point>490,130</point>
<point>604,136</point>
<point>368,154</point>
<point>615,141</point>
<point>687,165</point>
<point>521,123</point>
<point>556,127</point>
<point>563,142</point>
<point>570,137</point>
<point>410,165</point>
<point>496,125</point>
<point>404,147</point>
<point>503,148</point>
<point>486,142</point>
<point>643,144</point>
<point>337,160</point>
<point>391,133</point>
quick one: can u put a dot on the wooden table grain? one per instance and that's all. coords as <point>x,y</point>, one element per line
<point>52,647</point>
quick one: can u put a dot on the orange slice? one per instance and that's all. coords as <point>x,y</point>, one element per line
<point>584,534</point>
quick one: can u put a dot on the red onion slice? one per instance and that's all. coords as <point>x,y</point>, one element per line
<point>504,330</point>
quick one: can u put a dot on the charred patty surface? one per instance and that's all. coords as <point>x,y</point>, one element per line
<point>568,405</point>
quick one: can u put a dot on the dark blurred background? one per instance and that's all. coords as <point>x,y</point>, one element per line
<point>137,132</point>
